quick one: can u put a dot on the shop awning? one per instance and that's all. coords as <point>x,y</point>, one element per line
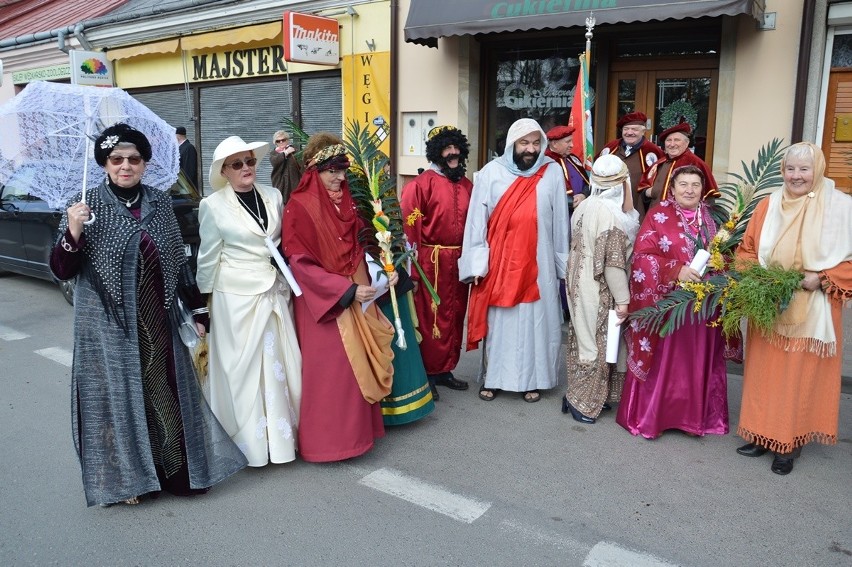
<point>165,46</point>
<point>430,19</point>
<point>234,36</point>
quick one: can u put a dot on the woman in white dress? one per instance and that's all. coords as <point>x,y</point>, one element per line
<point>255,364</point>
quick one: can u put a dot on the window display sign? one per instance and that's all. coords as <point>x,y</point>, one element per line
<point>311,39</point>
<point>537,84</point>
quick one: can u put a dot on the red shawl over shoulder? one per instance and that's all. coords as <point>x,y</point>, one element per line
<point>324,232</point>
<point>512,269</point>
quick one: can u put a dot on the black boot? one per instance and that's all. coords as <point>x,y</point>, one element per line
<point>752,450</point>
<point>575,413</point>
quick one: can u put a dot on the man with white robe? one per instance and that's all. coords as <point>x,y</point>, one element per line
<point>515,251</point>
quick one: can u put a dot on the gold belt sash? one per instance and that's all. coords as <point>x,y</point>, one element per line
<point>436,253</point>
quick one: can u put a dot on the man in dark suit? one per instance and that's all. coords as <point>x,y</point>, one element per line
<point>188,156</point>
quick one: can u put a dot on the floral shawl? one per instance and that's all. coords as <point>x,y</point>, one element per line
<point>665,243</point>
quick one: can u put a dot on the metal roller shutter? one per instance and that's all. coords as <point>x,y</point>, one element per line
<point>252,111</point>
<point>322,105</point>
<point>172,107</point>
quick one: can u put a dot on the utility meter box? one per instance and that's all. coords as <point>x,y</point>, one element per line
<point>415,127</point>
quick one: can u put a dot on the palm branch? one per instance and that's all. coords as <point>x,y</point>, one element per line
<point>370,180</point>
<point>669,314</point>
<point>754,292</point>
<point>740,197</point>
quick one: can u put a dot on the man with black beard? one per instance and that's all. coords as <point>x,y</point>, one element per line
<point>515,250</point>
<point>434,207</point>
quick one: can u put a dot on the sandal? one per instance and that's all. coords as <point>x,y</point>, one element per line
<point>487,394</point>
<point>532,396</point>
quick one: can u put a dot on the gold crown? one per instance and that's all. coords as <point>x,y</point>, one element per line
<point>438,130</point>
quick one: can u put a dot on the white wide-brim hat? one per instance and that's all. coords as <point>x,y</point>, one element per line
<point>228,147</point>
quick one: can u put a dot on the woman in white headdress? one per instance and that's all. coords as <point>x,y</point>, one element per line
<point>603,229</point>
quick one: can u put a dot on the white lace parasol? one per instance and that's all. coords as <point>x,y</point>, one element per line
<point>47,139</point>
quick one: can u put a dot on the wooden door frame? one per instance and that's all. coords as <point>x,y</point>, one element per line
<point>835,76</point>
<point>647,71</point>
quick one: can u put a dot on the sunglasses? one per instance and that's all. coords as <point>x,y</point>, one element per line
<point>281,141</point>
<point>118,160</point>
<point>238,165</point>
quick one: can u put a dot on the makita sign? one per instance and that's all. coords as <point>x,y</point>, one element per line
<point>311,39</point>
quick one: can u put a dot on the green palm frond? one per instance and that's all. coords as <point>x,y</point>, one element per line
<point>755,293</point>
<point>669,314</point>
<point>368,178</point>
<point>742,195</point>
<point>299,137</point>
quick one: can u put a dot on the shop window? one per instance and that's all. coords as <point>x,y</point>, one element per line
<point>537,84</point>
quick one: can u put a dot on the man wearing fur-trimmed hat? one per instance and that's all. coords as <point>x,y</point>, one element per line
<point>655,183</point>
<point>635,150</point>
<point>434,206</point>
<point>559,145</point>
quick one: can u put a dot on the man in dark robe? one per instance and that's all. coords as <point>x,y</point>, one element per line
<point>560,144</point>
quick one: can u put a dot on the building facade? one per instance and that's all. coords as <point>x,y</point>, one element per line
<point>742,73</point>
<point>220,72</point>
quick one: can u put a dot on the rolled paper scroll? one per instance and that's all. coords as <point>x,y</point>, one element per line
<point>613,335</point>
<point>699,263</point>
<point>282,265</point>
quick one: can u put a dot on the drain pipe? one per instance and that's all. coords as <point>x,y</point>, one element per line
<point>802,68</point>
<point>81,37</point>
<point>60,37</point>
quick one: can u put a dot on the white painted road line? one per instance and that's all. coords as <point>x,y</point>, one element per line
<point>10,334</point>
<point>429,496</point>
<point>57,354</point>
<point>539,536</point>
<point>606,554</point>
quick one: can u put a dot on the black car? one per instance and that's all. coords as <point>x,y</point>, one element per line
<point>28,230</point>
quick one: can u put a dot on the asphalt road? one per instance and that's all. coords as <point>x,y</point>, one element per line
<point>475,483</point>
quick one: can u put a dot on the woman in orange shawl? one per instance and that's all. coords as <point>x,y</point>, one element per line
<point>791,385</point>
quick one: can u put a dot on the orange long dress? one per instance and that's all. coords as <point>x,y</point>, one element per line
<point>791,398</point>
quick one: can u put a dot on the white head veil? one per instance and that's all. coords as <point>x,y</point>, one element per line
<point>609,180</point>
<point>517,130</point>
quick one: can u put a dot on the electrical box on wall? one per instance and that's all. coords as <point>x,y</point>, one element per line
<point>415,127</point>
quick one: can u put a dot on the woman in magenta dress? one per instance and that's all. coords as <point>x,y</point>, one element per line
<point>347,360</point>
<point>678,381</point>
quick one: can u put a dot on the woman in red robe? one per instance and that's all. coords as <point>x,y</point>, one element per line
<point>346,349</point>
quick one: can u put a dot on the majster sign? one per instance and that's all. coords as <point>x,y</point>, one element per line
<point>311,39</point>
